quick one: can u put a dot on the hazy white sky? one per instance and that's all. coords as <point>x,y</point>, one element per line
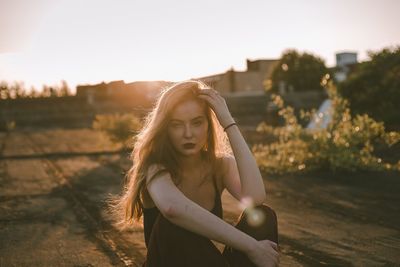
<point>89,41</point>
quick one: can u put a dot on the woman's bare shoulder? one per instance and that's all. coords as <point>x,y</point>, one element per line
<point>155,169</point>
<point>224,162</point>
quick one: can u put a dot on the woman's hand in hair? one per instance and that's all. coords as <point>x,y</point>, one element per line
<point>265,253</point>
<point>218,104</point>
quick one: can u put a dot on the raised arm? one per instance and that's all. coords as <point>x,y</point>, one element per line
<point>251,182</point>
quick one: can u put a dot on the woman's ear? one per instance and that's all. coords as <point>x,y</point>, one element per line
<point>205,147</point>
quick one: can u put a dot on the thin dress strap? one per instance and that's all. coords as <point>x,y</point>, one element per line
<point>215,185</point>
<point>217,210</point>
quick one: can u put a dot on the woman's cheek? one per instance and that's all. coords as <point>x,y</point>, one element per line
<point>203,133</point>
<point>205,129</point>
<point>178,135</point>
<point>173,135</point>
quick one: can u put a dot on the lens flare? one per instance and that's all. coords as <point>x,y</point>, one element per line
<point>246,202</point>
<point>255,217</point>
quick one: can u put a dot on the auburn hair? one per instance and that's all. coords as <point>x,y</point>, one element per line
<point>152,146</point>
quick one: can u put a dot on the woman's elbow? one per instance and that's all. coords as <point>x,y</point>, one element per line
<point>170,212</point>
<point>254,200</point>
<point>258,200</point>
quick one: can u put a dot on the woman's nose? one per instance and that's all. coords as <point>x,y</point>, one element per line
<point>188,131</point>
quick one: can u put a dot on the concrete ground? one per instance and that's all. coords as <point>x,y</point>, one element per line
<point>53,184</point>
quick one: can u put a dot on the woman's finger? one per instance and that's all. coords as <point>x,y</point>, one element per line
<point>272,243</point>
<point>206,90</point>
<point>210,92</point>
<point>275,258</point>
<point>208,98</point>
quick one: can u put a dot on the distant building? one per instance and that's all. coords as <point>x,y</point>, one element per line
<point>140,93</point>
<point>249,82</point>
<point>344,63</point>
<point>99,91</point>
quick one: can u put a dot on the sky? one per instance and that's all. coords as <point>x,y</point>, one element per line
<point>90,41</point>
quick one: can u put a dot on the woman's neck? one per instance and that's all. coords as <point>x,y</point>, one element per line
<point>194,167</point>
<point>191,162</point>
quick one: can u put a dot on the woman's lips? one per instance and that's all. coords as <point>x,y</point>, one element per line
<point>189,145</point>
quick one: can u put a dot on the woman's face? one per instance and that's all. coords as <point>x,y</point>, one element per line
<point>188,127</point>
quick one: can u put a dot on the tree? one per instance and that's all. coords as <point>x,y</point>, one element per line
<point>19,90</point>
<point>33,93</point>
<point>64,90</point>
<point>4,90</point>
<point>46,91</point>
<point>15,90</point>
<point>297,72</point>
<point>374,86</point>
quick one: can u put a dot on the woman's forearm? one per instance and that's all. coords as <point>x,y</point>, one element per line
<point>189,215</point>
<point>250,176</point>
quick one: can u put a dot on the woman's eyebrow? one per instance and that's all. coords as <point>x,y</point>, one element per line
<point>196,118</point>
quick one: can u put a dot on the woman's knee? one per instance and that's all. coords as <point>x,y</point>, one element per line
<point>260,222</point>
<point>267,211</point>
<point>259,214</point>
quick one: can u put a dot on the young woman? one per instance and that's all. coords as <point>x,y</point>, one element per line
<point>182,162</point>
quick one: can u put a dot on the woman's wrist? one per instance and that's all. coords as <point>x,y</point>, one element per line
<point>226,122</point>
<point>229,125</point>
<point>250,245</point>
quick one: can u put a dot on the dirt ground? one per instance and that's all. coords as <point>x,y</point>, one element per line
<point>53,184</point>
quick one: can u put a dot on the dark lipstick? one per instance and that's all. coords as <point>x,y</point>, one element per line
<point>189,145</point>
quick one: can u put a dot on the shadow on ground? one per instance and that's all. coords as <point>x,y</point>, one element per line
<point>52,212</point>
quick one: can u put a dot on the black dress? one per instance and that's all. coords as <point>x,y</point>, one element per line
<point>169,245</point>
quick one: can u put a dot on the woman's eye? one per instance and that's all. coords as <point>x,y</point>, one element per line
<point>175,125</point>
<point>198,123</point>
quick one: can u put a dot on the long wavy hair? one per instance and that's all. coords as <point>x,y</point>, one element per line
<point>152,146</point>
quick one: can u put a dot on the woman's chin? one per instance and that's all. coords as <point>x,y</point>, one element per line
<point>189,152</point>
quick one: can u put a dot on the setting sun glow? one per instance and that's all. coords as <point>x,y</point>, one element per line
<point>44,42</point>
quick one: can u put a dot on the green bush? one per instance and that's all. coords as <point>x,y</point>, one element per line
<point>346,144</point>
<point>373,87</point>
<point>120,128</point>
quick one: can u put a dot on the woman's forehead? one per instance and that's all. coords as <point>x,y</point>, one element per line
<point>188,110</point>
